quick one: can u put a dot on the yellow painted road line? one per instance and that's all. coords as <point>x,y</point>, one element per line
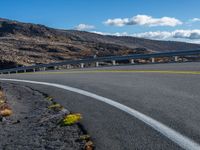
<point>121,71</point>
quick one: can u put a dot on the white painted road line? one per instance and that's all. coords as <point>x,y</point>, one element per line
<point>178,138</point>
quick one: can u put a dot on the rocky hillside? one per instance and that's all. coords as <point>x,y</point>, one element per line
<point>28,44</point>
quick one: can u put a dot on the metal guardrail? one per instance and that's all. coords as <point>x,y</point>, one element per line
<point>113,59</point>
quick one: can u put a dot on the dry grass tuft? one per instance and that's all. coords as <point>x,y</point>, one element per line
<point>56,106</point>
<point>5,110</point>
<point>89,145</point>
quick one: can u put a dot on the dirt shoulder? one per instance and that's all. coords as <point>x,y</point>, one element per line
<point>33,125</point>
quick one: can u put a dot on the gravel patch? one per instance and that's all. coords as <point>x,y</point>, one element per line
<point>33,126</point>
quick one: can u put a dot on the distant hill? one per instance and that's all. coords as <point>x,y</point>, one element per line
<point>28,44</point>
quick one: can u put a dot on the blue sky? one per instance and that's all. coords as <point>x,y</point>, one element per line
<point>142,18</point>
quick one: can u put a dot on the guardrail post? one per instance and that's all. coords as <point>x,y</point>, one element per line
<point>113,62</point>
<point>82,65</point>
<point>68,66</point>
<point>55,67</point>
<point>153,60</point>
<point>97,64</point>
<point>44,68</point>
<point>132,61</point>
<point>33,69</point>
<point>24,71</point>
<point>176,58</point>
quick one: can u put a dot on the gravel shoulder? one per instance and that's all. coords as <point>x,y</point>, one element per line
<point>33,125</point>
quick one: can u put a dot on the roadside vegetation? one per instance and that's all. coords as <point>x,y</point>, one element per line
<point>33,120</point>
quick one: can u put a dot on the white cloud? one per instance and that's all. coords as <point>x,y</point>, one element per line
<point>114,34</point>
<point>117,22</point>
<point>154,35</point>
<point>101,33</point>
<point>177,34</point>
<point>187,34</point>
<point>195,20</point>
<point>83,27</point>
<point>144,20</point>
<point>192,36</point>
<point>181,34</point>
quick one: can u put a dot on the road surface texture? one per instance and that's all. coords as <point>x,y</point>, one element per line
<point>168,93</point>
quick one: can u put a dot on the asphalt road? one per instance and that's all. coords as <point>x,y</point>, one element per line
<point>168,93</point>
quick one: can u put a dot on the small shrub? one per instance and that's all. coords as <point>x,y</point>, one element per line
<point>71,119</point>
<point>55,106</point>
<point>49,98</point>
<point>5,112</point>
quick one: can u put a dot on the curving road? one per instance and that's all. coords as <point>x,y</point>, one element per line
<point>168,93</point>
